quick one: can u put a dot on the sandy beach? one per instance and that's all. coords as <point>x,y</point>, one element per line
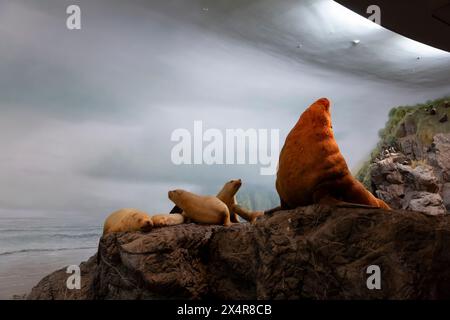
<point>31,248</point>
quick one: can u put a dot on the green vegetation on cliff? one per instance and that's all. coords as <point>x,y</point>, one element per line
<point>424,119</point>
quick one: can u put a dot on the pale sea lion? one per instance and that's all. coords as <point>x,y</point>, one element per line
<point>311,168</point>
<point>164,220</point>
<point>128,220</point>
<point>124,220</point>
<point>201,209</point>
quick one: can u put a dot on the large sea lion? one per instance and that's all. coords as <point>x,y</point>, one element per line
<point>311,168</point>
<point>228,196</point>
<point>201,209</point>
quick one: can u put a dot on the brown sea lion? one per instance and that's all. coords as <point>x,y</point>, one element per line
<point>311,168</point>
<point>201,209</point>
<point>228,196</point>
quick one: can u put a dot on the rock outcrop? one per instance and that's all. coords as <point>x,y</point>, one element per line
<point>54,286</point>
<point>315,252</point>
<point>410,167</point>
<point>414,178</point>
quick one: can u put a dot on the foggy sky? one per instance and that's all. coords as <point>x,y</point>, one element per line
<point>86,116</point>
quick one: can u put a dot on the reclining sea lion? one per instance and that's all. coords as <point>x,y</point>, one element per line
<point>124,220</point>
<point>201,209</point>
<point>128,220</point>
<point>228,195</point>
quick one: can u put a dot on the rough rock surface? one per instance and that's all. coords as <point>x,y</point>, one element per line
<point>438,156</point>
<point>54,287</point>
<point>315,252</point>
<point>416,177</point>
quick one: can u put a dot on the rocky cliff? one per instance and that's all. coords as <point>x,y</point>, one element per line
<point>315,252</point>
<point>410,168</point>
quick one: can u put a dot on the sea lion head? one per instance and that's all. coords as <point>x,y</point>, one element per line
<point>146,224</point>
<point>175,195</point>
<point>233,185</point>
<point>318,114</point>
<point>229,190</point>
<point>137,220</point>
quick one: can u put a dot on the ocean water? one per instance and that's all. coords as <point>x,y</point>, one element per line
<point>31,248</point>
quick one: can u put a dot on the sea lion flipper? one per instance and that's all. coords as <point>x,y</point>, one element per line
<point>383,205</point>
<point>250,216</point>
<point>176,209</point>
<point>355,205</point>
<point>329,200</point>
<point>226,221</point>
<point>322,196</point>
<point>234,217</point>
<point>163,220</point>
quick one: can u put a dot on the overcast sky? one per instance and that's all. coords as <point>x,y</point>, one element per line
<point>87,115</point>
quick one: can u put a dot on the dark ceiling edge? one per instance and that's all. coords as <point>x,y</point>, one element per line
<point>426,21</point>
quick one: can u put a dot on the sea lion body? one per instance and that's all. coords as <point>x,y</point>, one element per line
<point>201,209</point>
<point>311,168</point>
<point>228,196</point>
<point>129,220</point>
<point>164,220</point>
<point>125,220</point>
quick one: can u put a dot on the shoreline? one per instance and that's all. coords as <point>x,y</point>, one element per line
<point>20,272</point>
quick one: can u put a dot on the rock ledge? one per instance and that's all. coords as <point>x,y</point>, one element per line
<point>315,252</point>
